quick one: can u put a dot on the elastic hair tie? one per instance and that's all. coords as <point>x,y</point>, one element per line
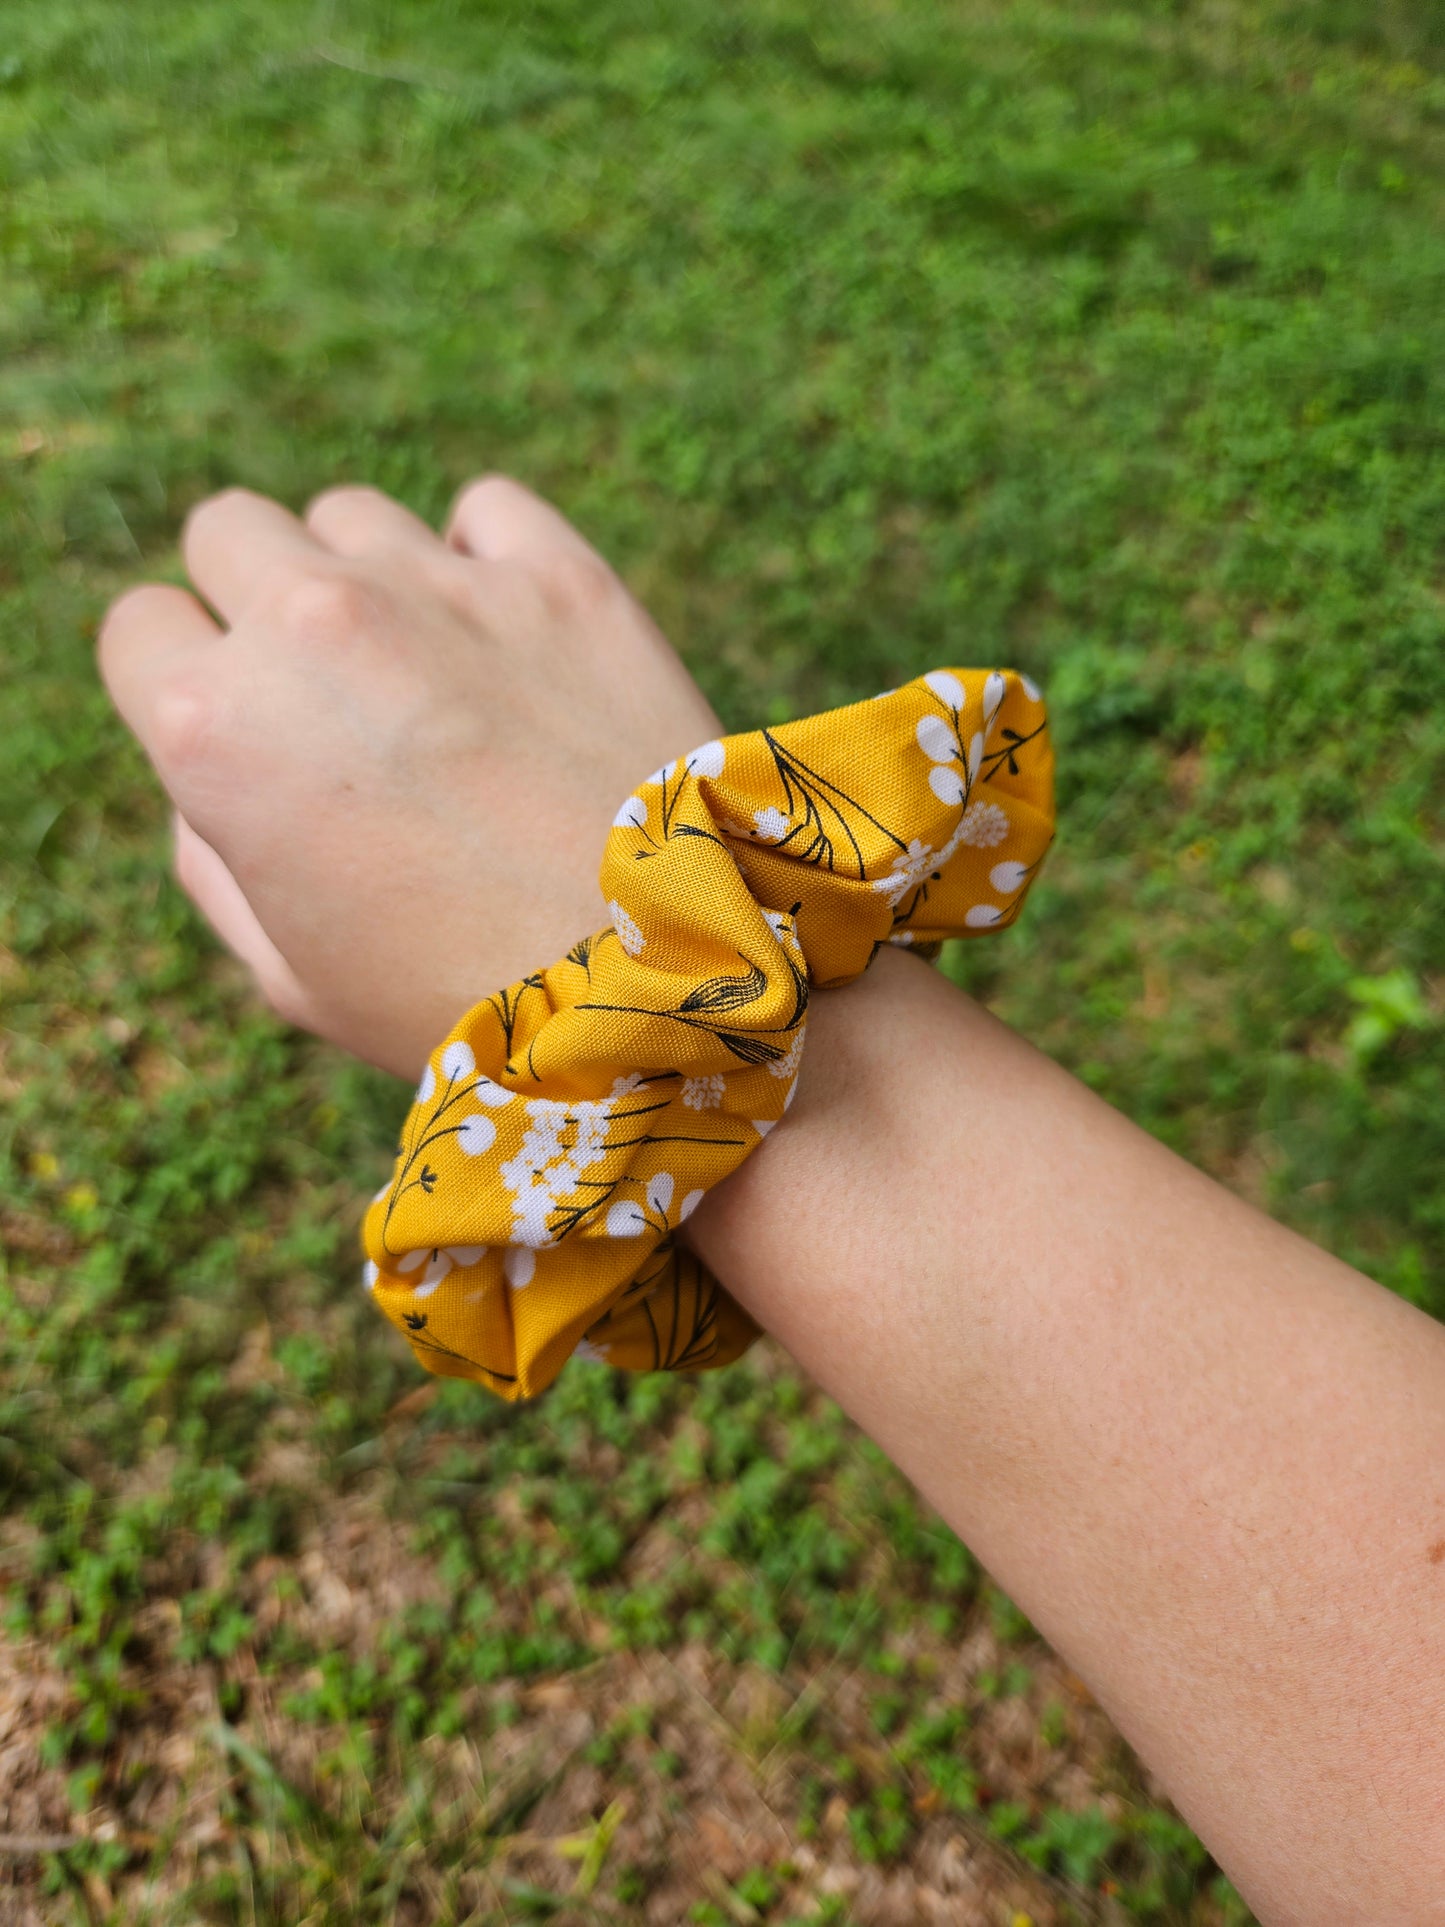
<point>570,1123</point>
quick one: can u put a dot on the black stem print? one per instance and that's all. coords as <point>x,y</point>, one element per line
<point>426,1180</point>
<point>415,1322</point>
<point>998,758</point>
<point>507,1006</point>
<point>823,802</point>
<point>672,1329</point>
<point>718,995</point>
<point>669,803</point>
<point>656,1340</point>
<point>566,1218</point>
<point>692,1327</point>
<point>906,912</point>
<point>654,847</point>
<point>727,993</point>
<point>671,797</point>
<point>955,723</point>
<point>702,1341</point>
<point>1007,755</point>
<point>694,1298</point>
<point>678,1137</point>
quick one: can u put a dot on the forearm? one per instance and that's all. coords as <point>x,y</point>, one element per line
<point>1203,1455</point>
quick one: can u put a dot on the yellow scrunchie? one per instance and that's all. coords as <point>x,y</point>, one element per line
<point>570,1123</point>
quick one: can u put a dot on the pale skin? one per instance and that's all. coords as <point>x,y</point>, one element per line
<point>1203,1455</point>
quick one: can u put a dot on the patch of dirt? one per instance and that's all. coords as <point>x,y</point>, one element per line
<point>704,1784</point>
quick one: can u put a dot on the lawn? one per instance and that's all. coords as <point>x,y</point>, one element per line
<point>1104,339</point>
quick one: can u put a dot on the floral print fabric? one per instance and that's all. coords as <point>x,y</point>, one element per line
<point>570,1123</point>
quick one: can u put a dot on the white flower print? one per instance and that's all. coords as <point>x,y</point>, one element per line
<point>703,1093</point>
<point>562,1143</point>
<point>690,1204</point>
<point>440,1262</point>
<point>633,814</point>
<point>1008,877</point>
<point>983,916</point>
<point>936,739</point>
<point>476,1134</point>
<point>946,782</point>
<point>458,1061</point>
<point>979,826</point>
<point>770,824</point>
<point>519,1266</point>
<point>706,760</point>
<point>910,867</point>
<point>787,1066</point>
<point>628,934</point>
<point>626,1220</point>
<point>370,1272</point>
<point>546,1169</point>
<point>948,689</point>
<point>783,928</point>
<point>983,825</point>
<point>591,1354</point>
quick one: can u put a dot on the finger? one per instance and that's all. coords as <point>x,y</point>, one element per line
<point>219,898</point>
<point>360,522</point>
<point>498,520</point>
<point>235,541</point>
<point>147,635</point>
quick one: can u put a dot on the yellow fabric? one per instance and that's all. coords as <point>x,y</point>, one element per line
<point>570,1123</point>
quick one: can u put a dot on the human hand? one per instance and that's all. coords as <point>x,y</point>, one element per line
<point>395,766</point>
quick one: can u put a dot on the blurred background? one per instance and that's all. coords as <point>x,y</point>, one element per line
<point>1104,339</point>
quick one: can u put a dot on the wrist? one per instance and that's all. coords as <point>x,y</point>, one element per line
<point>806,1187</point>
<point>621,1085</point>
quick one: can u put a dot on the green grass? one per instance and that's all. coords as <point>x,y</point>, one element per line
<point>1101,339</point>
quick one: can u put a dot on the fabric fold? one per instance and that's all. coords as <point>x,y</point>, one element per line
<point>568,1125</point>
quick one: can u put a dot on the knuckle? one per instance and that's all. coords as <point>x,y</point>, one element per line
<point>482,498</point>
<point>130,603</point>
<point>211,506</point>
<point>184,725</point>
<point>485,488</point>
<point>580,581</point>
<point>345,499</point>
<point>325,609</point>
